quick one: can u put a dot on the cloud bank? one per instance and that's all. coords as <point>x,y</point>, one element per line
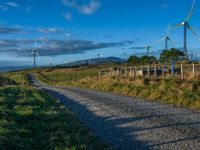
<point>10,30</point>
<point>52,47</point>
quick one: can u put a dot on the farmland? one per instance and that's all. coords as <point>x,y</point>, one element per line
<point>67,75</point>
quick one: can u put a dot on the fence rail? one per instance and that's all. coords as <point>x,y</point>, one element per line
<point>183,71</point>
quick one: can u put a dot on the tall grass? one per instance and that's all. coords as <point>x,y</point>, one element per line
<point>32,120</point>
<point>67,75</point>
<point>18,77</point>
<point>170,91</point>
<point>4,81</point>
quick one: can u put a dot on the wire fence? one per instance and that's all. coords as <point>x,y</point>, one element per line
<point>182,71</point>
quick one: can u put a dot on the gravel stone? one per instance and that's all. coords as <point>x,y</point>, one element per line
<point>129,123</point>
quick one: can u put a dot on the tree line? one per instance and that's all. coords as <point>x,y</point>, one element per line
<point>166,56</point>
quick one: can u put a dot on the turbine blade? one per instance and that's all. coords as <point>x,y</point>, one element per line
<point>157,42</point>
<point>168,30</point>
<point>35,45</point>
<point>191,11</point>
<point>177,26</point>
<point>172,42</point>
<point>195,34</point>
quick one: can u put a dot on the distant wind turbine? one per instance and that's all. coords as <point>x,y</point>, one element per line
<point>167,38</point>
<point>35,54</point>
<point>99,55</point>
<point>147,47</point>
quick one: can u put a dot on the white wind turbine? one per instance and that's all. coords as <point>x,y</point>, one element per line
<point>185,24</point>
<point>35,55</point>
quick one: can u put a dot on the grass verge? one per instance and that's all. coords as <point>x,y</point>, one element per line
<point>170,91</point>
<point>31,120</point>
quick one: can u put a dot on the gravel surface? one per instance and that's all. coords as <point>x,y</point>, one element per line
<point>129,123</point>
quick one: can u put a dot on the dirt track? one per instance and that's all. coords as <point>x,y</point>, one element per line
<point>128,123</point>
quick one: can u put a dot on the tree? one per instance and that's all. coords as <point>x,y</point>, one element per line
<point>173,54</point>
<point>134,60</point>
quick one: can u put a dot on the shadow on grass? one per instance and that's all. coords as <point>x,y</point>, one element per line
<point>32,120</point>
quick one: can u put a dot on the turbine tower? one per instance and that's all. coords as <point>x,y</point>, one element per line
<point>35,54</point>
<point>186,26</point>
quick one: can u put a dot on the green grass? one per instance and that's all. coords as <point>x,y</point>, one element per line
<point>18,77</point>
<point>67,75</point>
<point>31,120</point>
<point>5,81</point>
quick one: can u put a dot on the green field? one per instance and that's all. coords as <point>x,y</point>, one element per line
<point>31,120</point>
<point>67,75</point>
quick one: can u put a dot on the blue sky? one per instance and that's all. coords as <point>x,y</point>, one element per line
<point>68,30</point>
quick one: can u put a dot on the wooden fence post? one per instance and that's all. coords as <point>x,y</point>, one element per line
<point>155,71</point>
<point>117,71</point>
<point>172,68</point>
<point>131,72</point>
<point>162,71</point>
<point>181,71</point>
<point>148,71</point>
<point>135,72</point>
<point>193,71</point>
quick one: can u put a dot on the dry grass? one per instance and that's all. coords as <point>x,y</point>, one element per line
<point>170,91</point>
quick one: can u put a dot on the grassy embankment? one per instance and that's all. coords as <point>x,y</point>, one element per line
<point>54,76</point>
<point>170,91</point>
<point>30,119</point>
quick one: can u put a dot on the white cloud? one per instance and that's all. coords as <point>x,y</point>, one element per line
<point>88,8</point>
<point>164,5</point>
<point>68,16</point>
<point>28,8</point>
<point>68,35</point>
<point>4,7</point>
<point>49,30</point>
<point>12,4</point>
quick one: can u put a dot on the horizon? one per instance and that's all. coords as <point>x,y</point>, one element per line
<point>71,30</point>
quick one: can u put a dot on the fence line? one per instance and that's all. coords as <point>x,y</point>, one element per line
<point>183,71</point>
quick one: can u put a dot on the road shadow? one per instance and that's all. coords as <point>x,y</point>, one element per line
<point>111,129</point>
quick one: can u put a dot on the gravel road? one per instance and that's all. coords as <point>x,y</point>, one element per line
<point>129,123</point>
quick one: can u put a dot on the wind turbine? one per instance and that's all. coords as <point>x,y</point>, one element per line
<point>167,38</point>
<point>35,54</point>
<point>147,47</point>
<point>186,26</point>
<point>99,55</point>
